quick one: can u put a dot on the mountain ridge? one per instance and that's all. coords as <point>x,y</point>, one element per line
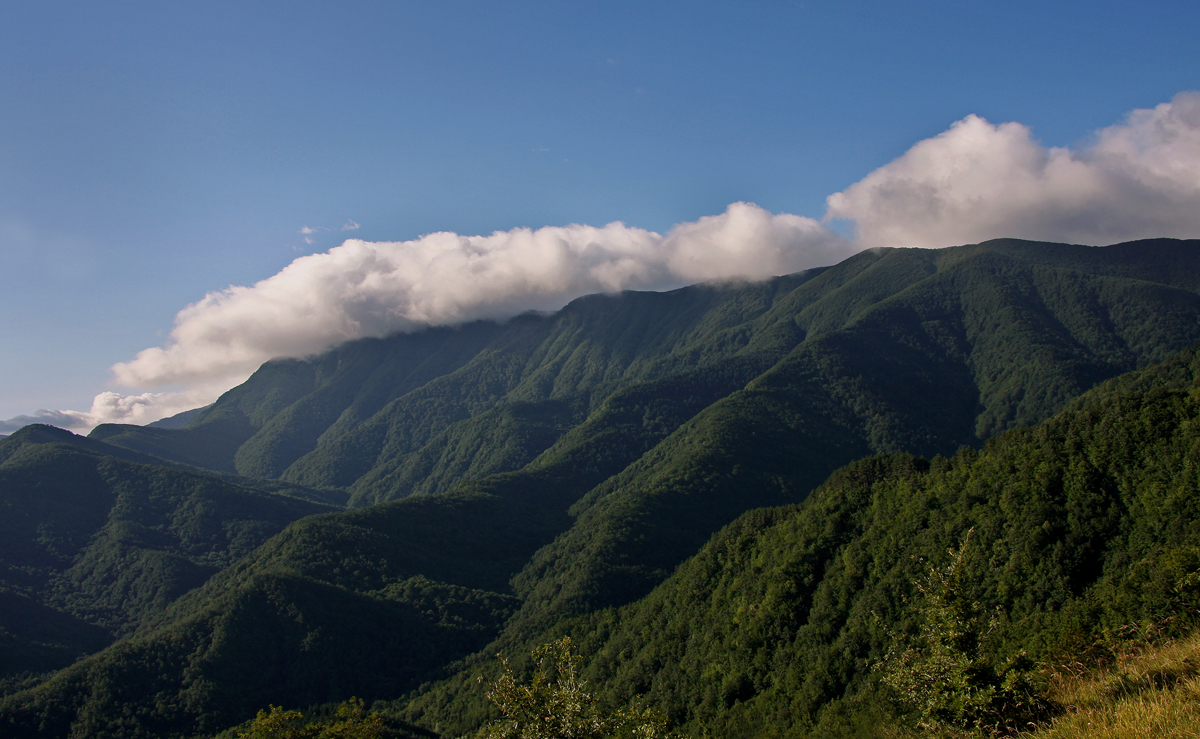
<point>556,467</point>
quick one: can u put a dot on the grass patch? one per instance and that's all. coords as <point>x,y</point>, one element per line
<point>1150,691</point>
<point>1131,687</point>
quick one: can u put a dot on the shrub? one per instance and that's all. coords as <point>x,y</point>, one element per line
<point>555,705</point>
<point>947,674</point>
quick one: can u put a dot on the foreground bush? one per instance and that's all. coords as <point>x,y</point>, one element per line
<point>948,673</point>
<point>351,722</point>
<point>555,705</point>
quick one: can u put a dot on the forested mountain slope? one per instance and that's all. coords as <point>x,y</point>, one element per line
<point>91,543</point>
<point>1087,522</point>
<point>415,413</point>
<point>579,458</point>
<point>999,335</point>
<point>1021,325</point>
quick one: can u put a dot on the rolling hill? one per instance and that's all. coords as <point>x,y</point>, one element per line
<point>92,543</point>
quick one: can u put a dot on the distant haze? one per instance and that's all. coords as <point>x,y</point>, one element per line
<point>976,181</point>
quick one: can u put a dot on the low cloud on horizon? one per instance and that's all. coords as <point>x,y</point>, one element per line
<point>973,182</point>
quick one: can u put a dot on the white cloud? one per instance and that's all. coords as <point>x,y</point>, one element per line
<point>975,181</point>
<point>362,288</point>
<point>110,407</point>
<point>350,226</point>
<point>365,288</point>
<point>978,181</point>
<point>747,241</point>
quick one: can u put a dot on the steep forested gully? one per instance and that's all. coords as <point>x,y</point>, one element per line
<point>742,502</point>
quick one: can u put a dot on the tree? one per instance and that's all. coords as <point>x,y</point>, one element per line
<point>555,705</point>
<point>946,672</point>
<point>351,722</point>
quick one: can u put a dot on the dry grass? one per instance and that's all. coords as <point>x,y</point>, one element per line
<point>1143,690</point>
<point>1148,691</point>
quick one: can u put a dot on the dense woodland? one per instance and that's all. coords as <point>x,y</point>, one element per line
<point>728,497</point>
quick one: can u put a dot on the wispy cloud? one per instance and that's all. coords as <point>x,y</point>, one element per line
<point>350,226</point>
<point>63,419</point>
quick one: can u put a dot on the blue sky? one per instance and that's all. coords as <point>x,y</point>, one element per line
<point>152,153</point>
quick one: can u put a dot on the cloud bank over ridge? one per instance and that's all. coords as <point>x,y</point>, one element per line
<point>364,288</point>
<point>973,182</point>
